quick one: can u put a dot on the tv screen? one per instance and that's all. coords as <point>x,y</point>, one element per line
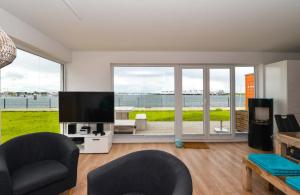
<point>95,107</point>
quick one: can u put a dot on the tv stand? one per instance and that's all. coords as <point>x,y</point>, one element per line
<point>91,143</point>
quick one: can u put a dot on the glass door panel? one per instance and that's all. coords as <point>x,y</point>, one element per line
<point>244,89</point>
<point>219,101</point>
<point>192,101</point>
<point>144,100</point>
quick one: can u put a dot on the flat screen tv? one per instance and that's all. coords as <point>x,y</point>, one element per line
<point>96,107</point>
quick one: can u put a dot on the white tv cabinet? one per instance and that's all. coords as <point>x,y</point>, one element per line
<point>92,143</point>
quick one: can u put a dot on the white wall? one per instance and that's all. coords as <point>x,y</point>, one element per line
<point>28,38</point>
<point>91,70</point>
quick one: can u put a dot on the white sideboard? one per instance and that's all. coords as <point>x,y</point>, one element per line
<point>93,143</point>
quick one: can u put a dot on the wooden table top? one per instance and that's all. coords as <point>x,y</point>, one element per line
<point>290,134</point>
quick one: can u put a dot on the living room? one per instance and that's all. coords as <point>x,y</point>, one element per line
<point>201,84</point>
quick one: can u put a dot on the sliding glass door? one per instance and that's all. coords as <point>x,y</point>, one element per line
<point>192,101</point>
<point>144,100</point>
<point>206,100</point>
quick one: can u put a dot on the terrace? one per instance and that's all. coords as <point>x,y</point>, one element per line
<point>160,121</point>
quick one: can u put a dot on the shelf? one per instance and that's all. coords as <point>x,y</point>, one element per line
<point>89,135</point>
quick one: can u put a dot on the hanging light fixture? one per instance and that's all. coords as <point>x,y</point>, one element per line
<point>7,49</point>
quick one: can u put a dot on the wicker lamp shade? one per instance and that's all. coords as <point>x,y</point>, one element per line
<point>7,49</point>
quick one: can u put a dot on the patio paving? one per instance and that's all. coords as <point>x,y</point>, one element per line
<point>189,127</point>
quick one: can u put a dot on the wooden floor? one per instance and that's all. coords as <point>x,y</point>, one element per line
<point>214,171</point>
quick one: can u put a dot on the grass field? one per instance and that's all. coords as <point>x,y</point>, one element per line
<point>16,123</point>
<point>20,123</point>
<point>189,115</point>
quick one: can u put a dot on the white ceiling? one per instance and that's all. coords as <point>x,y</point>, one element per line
<point>166,25</point>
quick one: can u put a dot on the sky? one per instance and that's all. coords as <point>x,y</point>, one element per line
<point>29,73</point>
<point>161,79</point>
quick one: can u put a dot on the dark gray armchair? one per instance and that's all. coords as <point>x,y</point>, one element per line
<point>148,172</point>
<point>38,163</point>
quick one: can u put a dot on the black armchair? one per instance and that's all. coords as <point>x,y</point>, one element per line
<point>148,172</point>
<point>38,163</point>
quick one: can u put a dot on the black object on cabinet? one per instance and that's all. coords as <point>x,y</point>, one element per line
<point>287,123</point>
<point>260,124</point>
<point>72,128</point>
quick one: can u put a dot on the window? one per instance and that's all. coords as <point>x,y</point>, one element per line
<point>244,89</point>
<point>145,101</point>
<point>29,95</point>
<point>219,99</point>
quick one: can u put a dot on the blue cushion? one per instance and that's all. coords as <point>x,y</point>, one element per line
<point>293,182</point>
<point>275,164</point>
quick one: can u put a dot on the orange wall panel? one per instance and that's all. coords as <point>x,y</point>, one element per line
<point>249,88</point>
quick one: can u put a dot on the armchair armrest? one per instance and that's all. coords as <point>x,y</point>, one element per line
<point>142,171</point>
<point>109,175</point>
<point>116,175</point>
<point>69,154</point>
<point>5,180</point>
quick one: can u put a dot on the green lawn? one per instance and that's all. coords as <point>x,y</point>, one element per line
<point>16,123</point>
<point>20,123</point>
<point>190,115</point>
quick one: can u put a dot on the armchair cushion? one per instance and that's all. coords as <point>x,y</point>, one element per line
<point>36,175</point>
